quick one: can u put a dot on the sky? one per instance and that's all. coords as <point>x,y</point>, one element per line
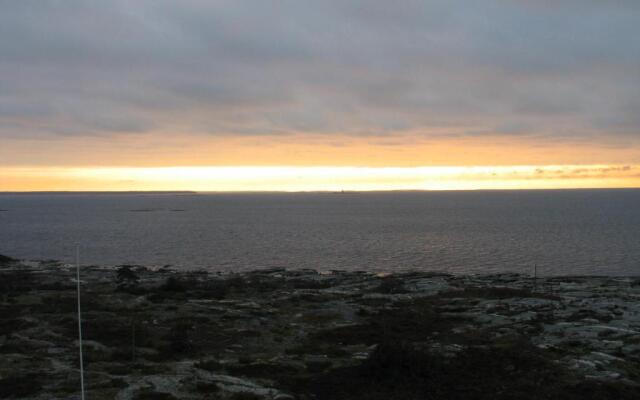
<point>319,95</point>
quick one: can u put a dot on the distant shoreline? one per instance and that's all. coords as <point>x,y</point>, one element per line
<point>102,192</point>
<point>346,192</point>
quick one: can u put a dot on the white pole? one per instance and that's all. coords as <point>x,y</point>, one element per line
<point>79,322</point>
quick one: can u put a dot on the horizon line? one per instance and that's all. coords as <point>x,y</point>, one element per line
<point>346,191</point>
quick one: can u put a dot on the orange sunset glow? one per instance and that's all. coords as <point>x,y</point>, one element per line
<point>311,164</point>
<point>334,97</point>
<point>320,178</point>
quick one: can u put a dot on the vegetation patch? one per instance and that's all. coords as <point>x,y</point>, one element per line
<point>153,395</point>
<point>9,326</point>
<point>6,259</point>
<point>402,371</point>
<point>17,281</point>
<point>15,387</point>
<point>281,330</point>
<point>245,396</point>
<point>495,293</point>
<point>209,365</point>
<point>311,283</point>
<point>391,285</point>
<point>261,370</point>
<point>412,321</point>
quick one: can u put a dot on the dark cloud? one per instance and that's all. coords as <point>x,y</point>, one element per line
<point>549,69</point>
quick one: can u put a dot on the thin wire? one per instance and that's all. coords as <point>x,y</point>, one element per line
<point>79,322</point>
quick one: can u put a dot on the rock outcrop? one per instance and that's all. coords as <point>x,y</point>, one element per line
<point>286,334</point>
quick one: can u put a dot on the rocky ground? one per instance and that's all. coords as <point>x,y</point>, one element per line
<point>280,334</point>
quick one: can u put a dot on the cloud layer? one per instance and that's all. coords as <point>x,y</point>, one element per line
<point>545,70</point>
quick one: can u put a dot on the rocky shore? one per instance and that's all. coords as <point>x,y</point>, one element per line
<point>303,334</point>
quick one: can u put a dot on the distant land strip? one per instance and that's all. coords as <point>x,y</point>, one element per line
<point>117,192</point>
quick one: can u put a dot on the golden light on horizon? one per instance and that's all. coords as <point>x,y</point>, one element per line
<point>293,178</point>
<point>320,97</point>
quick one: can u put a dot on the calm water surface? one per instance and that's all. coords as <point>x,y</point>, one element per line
<point>563,232</point>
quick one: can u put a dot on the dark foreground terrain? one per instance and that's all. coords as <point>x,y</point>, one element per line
<point>279,334</point>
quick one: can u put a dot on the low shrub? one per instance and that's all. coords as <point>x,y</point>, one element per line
<point>17,281</point>
<point>6,260</point>
<point>126,278</point>
<point>245,396</point>
<point>174,284</point>
<point>153,395</point>
<point>495,293</point>
<point>19,386</point>
<point>390,285</point>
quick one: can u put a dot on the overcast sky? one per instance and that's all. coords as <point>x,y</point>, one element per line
<point>542,71</point>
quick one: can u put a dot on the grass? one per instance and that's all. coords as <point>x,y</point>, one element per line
<point>261,370</point>
<point>400,367</point>
<point>413,321</point>
<point>209,365</point>
<point>402,371</point>
<point>153,395</point>
<point>586,313</point>
<point>320,318</point>
<point>19,386</point>
<point>6,260</point>
<point>391,285</point>
<point>495,293</point>
<point>216,289</point>
<point>11,325</point>
<point>17,282</point>
<point>245,396</point>
<point>208,388</point>
<point>310,284</point>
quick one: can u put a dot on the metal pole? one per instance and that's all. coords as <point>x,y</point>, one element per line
<point>79,322</point>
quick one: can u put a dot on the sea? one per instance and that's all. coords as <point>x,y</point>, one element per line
<point>557,232</point>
